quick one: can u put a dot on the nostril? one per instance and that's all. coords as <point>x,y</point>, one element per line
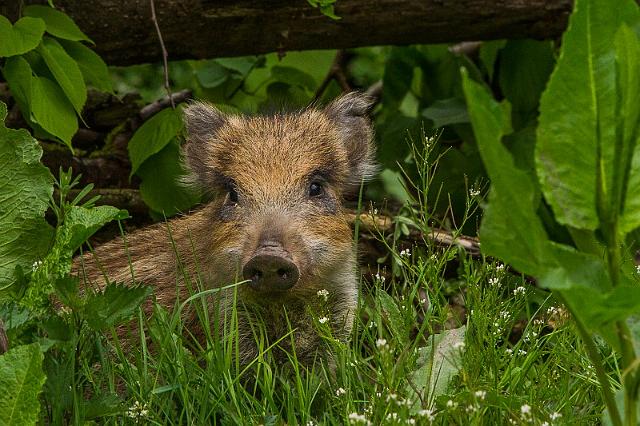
<point>283,273</point>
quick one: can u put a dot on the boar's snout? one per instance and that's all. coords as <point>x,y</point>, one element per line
<point>271,269</point>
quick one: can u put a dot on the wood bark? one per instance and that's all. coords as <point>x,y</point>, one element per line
<point>125,34</point>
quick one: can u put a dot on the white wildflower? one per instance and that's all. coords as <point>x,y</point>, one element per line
<point>474,192</point>
<point>138,411</point>
<point>519,290</point>
<point>525,410</point>
<point>451,404</point>
<point>500,267</point>
<point>392,416</point>
<point>509,351</point>
<point>372,324</point>
<point>429,414</point>
<point>545,424</point>
<point>505,315</point>
<point>323,320</point>
<point>638,269</point>
<point>392,397</point>
<point>340,391</point>
<point>382,344</point>
<point>555,415</point>
<point>324,293</point>
<point>36,265</point>
<point>405,253</point>
<point>495,281</point>
<point>411,422</point>
<point>379,277</point>
<point>480,394</point>
<point>522,352</point>
<point>358,418</point>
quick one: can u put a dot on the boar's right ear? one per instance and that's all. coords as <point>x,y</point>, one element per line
<point>350,113</point>
<point>202,122</point>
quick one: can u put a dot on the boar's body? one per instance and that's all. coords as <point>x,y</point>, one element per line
<point>275,219</point>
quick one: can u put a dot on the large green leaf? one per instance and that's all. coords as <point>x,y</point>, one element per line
<point>627,174</point>
<point>58,23</point>
<point>116,303</point>
<point>25,188</point>
<point>510,229</point>
<point>21,380</point>
<point>576,136</point>
<point>93,68</point>
<point>51,109</point>
<point>447,111</point>
<point>154,135</point>
<point>160,187</point>
<point>20,38</point>
<point>18,74</point>
<point>66,72</point>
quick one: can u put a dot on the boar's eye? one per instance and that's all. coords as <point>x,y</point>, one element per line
<point>316,189</point>
<point>233,195</point>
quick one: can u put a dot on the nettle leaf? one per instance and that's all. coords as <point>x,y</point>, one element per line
<point>115,304</point>
<point>66,72</point>
<point>25,188</point>
<point>211,74</point>
<point>160,187</point>
<point>21,381</point>
<point>576,135</point>
<point>93,68</point>
<point>154,135</point>
<point>438,362</point>
<point>510,229</point>
<point>23,36</point>
<point>83,222</point>
<point>57,23</point>
<point>51,109</point>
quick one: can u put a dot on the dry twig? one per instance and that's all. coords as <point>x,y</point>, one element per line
<point>165,55</point>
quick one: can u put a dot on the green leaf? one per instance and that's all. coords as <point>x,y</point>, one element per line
<point>447,111</point>
<point>51,109</point>
<point>20,38</point>
<point>93,68</point>
<point>67,291</point>
<point>115,304</point>
<point>21,380</point>
<point>525,66</point>
<point>510,229</point>
<point>18,74</point>
<point>58,23</point>
<point>66,72</point>
<point>394,316</point>
<point>210,74</point>
<point>627,172</point>
<point>25,188</point>
<point>438,363</point>
<point>576,135</point>
<point>160,187</point>
<point>83,222</point>
<point>293,76</point>
<point>489,53</point>
<point>154,135</point>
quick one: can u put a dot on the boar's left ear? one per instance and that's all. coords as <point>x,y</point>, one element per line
<point>350,113</point>
<point>202,122</point>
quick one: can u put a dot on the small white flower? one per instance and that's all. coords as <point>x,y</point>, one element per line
<point>392,397</point>
<point>324,293</point>
<point>411,422</point>
<point>471,408</point>
<point>358,418</point>
<point>392,416</point>
<point>372,324</point>
<point>474,192</point>
<point>36,265</point>
<point>638,269</point>
<point>525,410</point>
<point>494,281</point>
<point>379,277</point>
<point>451,404</point>
<point>519,290</point>
<point>480,394</point>
<point>522,352</point>
<point>429,414</point>
<point>310,423</point>
<point>545,424</point>
<point>323,320</point>
<point>405,253</point>
<point>500,267</point>
<point>555,415</point>
<point>509,351</point>
<point>505,315</point>
<point>138,411</point>
<point>423,300</point>
<point>378,394</point>
<point>340,391</point>
<point>382,343</point>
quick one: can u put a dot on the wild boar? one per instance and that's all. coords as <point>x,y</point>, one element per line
<point>275,218</point>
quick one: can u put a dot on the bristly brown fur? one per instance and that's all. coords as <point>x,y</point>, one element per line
<point>258,170</point>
